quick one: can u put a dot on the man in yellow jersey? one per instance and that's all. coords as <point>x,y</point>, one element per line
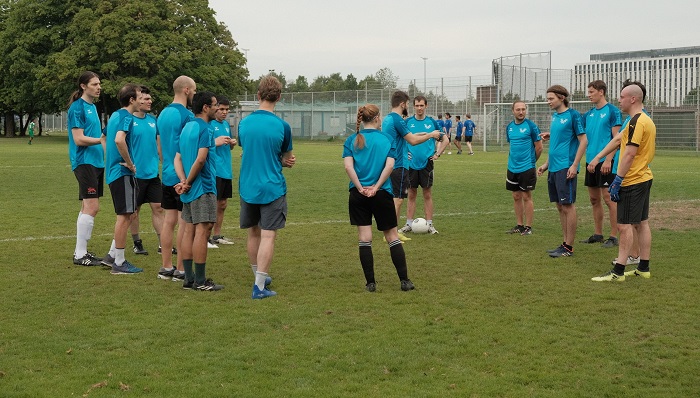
<point>632,185</point>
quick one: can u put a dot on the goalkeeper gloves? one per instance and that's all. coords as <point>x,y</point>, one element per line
<point>614,188</point>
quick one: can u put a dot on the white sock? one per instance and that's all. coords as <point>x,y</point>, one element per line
<point>430,222</point>
<point>119,256</point>
<point>84,227</point>
<point>112,249</point>
<point>260,279</point>
<point>254,268</point>
<point>409,221</point>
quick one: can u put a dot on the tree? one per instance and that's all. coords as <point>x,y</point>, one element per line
<point>48,44</point>
<point>386,78</point>
<point>691,99</point>
<point>299,85</point>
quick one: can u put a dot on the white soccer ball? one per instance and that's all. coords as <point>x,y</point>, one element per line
<point>420,226</point>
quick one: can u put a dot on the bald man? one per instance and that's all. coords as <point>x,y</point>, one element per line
<point>170,123</point>
<point>632,184</point>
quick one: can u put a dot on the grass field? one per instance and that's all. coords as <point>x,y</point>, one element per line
<point>492,315</point>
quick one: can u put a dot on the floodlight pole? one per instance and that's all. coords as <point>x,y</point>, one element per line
<point>425,65</point>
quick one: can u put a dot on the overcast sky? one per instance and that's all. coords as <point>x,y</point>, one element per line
<point>459,38</point>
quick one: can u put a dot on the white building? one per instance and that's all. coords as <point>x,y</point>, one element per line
<point>669,74</point>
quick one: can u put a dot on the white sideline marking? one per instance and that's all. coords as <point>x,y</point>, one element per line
<point>302,223</point>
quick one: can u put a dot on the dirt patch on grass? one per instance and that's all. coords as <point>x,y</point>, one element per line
<point>675,216</point>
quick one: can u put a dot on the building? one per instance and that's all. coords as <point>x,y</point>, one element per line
<point>669,74</point>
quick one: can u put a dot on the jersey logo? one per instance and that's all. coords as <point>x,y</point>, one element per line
<point>153,125</point>
<point>563,121</point>
<point>411,125</point>
<point>603,115</point>
<point>427,125</point>
<point>523,129</point>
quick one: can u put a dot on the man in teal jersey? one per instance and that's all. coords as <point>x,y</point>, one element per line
<point>86,153</point>
<point>523,135</point>
<point>145,144</point>
<point>266,141</point>
<point>421,164</point>
<point>224,171</point>
<point>458,134</point>
<point>469,127</point>
<point>120,170</point>
<point>170,123</point>
<point>602,123</point>
<point>395,128</point>
<point>447,129</point>
<point>194,165</point>
<point>566,148</point>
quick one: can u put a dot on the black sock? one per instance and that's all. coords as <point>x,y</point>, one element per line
<point>189,272</point>
<point>619,269</point>
<point>643,265</point>
<point>200,274</point>
<point>367,261</point>
<point>567,247</point>
<point>398,257</point>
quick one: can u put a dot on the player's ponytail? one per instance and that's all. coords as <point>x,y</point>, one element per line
<point>84,78</point>
<point>365,114</point>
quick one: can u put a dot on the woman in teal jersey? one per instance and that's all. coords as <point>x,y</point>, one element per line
<point>369,159</point>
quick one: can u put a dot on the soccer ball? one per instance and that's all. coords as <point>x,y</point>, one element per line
<point>420,226</point>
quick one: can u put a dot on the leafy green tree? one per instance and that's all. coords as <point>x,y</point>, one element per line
<point>691,99</point>
<point>299,85</point>
<point>386,78</point>
<point>47,44</point>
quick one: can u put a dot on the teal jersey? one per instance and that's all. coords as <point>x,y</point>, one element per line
<point>195,135</point>
<point>421,153</point>
<point>369,161</point>
<point>83,115</point>
<point>144,147</point>
<point>170,123</point>
<point>224,168</point>
<point>522,137</point>
<point>469,127</point>
<point>598,124</point>
<point>395,128</point>
<point>264,137</point>
<point>563,144</point>
<point>120,120</point>
<point>460,127</point>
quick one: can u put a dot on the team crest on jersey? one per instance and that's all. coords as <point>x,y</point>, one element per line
<point>427,125</point>
<point>412,125</point>
<point>603,115</point>
<point>153,125</point>
<point>523,129</point>
<point>563,121</point>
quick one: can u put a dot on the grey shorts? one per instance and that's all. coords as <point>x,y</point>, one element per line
<point>200,210</point>
<point>270,217</point>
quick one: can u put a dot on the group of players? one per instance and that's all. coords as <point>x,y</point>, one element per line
<point>387,165</point>
<point>195,148</point>
<point>618,156</point>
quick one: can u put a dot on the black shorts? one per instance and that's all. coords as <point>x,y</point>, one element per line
<point>124,192</point>
<point>400,183</point>
<point>270,217</point>
<point>633,206</point>
<point>561,189</point>
<point>224,188</point>
<point>449,137</point>
<point>170,200</point>
<point>381,206</point>
<point>597,179</point>
<point>458,137</point>
<point>468,138</point>
<point>90,181</point>
<point>421,178</point>
<point>524,181</point>
<point>150,191</point>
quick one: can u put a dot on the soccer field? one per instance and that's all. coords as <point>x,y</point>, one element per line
<point>492,314</point>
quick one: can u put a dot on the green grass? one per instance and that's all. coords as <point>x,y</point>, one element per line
<point>492,314</point>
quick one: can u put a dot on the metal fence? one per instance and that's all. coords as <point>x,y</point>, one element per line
<point>332,114</point>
